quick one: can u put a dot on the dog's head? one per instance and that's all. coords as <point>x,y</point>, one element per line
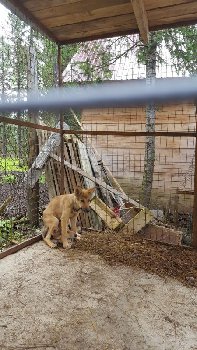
<point>84,197</point>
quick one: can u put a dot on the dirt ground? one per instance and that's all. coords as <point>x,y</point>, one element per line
<point>132,250</point>
<point>75,300</point>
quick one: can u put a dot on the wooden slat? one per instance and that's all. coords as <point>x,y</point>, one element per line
<point>20,246</point>
<point>56,7</point>
<point>73,5</point>
<point>105,213</point>
<point>89,10</point>
<point>50,180</point>
<point>79,180</point>
<point>141,18</point>
<point>85,222</point>
<point>81,20</point>
<point>138,222</point>
<point>96,27</point>
<point>101,183</point>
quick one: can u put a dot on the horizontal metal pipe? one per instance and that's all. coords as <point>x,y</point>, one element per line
<point>122,94</point>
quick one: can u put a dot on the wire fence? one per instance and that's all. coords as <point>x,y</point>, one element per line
<point>99,160</point>
<point>137,154</point>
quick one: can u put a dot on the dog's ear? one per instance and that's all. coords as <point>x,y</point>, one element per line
<point>91,190</point>
<point>78,192</point>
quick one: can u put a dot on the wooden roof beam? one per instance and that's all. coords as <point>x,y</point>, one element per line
<point>141,18</point>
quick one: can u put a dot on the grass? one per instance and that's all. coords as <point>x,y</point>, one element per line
<point>6,232</point>
<point>11,164</point>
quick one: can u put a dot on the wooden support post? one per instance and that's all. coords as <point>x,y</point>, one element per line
<point>141,18</point>
<point>194,233</point>
<point>61,117</point>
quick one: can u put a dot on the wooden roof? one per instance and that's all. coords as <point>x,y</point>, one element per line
<point>67,21</point>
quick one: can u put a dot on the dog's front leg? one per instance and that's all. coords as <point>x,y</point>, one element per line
<point>64,231</point>
<point>73,223</point>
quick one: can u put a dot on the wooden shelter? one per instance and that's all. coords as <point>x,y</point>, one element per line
<point>68,21</point>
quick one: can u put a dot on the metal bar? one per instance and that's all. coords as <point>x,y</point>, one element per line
<point>194,231</point>
<point>61,116</point>
<point>125,94</point>
<point>97,132</point>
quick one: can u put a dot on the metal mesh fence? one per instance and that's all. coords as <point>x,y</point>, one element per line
<point>130,172</point>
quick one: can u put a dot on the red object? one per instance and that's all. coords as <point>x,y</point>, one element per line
<point>116,211</point>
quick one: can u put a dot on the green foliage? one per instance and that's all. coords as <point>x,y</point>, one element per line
<point>96,67</point>
<point>8,233</point>
<point>42,179</point>
<point>11,164</point>
<point>182,45</point>
<point>9,178</point>
<point>144,51</point>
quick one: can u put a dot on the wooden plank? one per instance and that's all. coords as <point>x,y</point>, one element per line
<point>103,27</point>
<point>20,246</point>
<point>99,26</point>
<point>37,5</point>
<point>99,167</point>
<point>85,162</point>
<point>180,10</point>
<point>50,180</point>
<point>85,222</point>
<point>100,183</point>
<point>138,222</point>
<point>48,8</point>
<point>141,18</point>
<point>22,12</point>
<point>99,132</point>
<point>79,180</point>
<point>105,213</point>
<point>36,169</point>
<point>102,9</point>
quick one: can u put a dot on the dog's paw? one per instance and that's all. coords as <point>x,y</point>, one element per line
<point>77,236</point>
<point>67,245</point>
<point>53,245</point>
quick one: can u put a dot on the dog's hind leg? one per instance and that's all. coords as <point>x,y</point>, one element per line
<point>44,231</point>
<point>64,230</point>
<point>52,224</point>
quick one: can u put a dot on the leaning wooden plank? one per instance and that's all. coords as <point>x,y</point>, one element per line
<point>138,222</point>
<point>90,219</point>
<point>35,171</point>
<point>99,182</point>
<point>97,173</point>
<point>106,214</point>
<point>86,165</point>
<point>99,167</point>
<point>50,180</point>
<point>68,153</point>
<point>80,178</point>
<point>85,162</point>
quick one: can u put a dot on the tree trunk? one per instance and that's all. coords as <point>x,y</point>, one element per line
<point>3,78</point>
<point>32,193</point>
<point>149,158</point>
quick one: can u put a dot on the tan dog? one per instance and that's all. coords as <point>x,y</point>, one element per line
<point>60,211</point>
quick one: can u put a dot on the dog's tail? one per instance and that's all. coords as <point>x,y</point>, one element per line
<point>44,231</point>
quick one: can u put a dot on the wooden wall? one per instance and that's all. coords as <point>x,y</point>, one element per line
<point>125,155</point>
